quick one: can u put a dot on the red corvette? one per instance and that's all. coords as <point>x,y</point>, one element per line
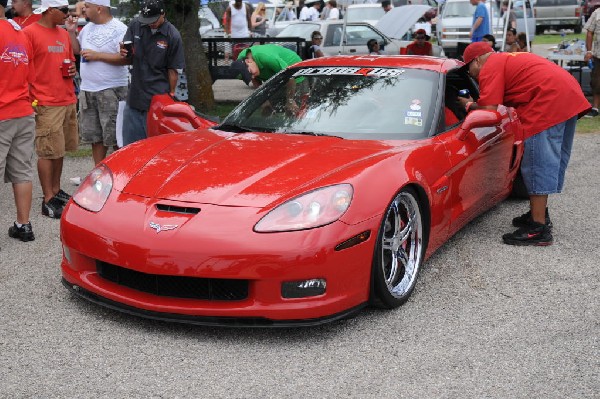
<point>323,192</point>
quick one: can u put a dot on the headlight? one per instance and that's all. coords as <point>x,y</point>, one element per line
<point>314,209</point>
<point>95,189</point>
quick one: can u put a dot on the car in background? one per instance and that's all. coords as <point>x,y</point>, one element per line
<point>430,15</point>
<point>455,23</point>
<point>370,13</point>
<point>302,207</point>
<point>208,20</point>
<point>557,15</point>
<point>278,17</point>
<point>393,32</point>
<point>518,9</point>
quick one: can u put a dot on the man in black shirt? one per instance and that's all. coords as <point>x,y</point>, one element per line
<point>157,59</point>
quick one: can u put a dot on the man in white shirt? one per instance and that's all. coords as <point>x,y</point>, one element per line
<point>311,10</point>
<point>104,77</point>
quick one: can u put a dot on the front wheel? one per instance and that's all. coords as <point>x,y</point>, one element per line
<point>399,251</point>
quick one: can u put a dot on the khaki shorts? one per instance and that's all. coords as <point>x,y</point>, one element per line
<point>98,115</point>
<point>16,149</point>
<point>55,131</point>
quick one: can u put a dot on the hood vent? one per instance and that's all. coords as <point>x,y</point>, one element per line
<point>178,209</point>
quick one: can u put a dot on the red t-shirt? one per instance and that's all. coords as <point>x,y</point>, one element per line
<point>542,93</point>
<point>26,21</point>
<point>416,50</point>
<point>50,47</point>
<point>16,71</point>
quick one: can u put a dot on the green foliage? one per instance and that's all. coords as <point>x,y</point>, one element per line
<point>588,125</point>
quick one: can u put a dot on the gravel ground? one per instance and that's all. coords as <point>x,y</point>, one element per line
<point>486,321</point>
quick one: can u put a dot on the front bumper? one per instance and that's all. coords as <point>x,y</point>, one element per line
<point>225,251</point>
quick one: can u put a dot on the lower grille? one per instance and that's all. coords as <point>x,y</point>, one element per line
<point>175,286</point>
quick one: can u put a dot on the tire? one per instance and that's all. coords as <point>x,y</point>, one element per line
<point>539,30</point>
<point>399,251</point>
<point>578,29</point>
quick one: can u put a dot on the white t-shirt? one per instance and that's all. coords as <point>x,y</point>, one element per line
<point>105,38</point>
<point>309,14</point>
<point>334,13</point>
<point>239,22</point>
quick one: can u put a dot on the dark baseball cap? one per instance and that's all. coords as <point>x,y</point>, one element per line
<point>242,69</point>
<point>151,11</point>
<point>3,3</point>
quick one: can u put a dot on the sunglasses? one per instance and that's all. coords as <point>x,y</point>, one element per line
<point>318,38</point>
<point>64,10</point>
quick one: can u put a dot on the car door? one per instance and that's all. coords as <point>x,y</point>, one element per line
<point>355,39</point>
<point>482,160</point>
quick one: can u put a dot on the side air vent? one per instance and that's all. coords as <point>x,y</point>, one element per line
<point>177,209</point>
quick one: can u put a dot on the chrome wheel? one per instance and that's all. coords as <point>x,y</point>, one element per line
<point>399,250</point>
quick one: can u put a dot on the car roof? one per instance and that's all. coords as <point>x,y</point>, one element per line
<point>442,65</point>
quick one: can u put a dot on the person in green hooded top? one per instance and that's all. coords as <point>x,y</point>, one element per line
<point>259,63</point>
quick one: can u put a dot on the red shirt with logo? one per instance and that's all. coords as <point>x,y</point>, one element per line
<point>16,71</point>
<point>542,93</point>
<point>26,21</point>
<point>51,46</point>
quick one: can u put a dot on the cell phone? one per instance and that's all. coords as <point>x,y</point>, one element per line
<point>464,93</point>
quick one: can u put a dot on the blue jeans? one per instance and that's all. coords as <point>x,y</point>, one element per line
<point>546,157</point>
<point>134,125</point>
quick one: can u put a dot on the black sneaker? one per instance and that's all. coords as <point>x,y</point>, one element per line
<point>525,220</point>
<point>532,234</point>
<point>23,233</point>
<point>593,113</point>
<point>53,208</point>
<point>62,196</point>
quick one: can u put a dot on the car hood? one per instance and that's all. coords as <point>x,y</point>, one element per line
<point>396,22</point>
<point>249,169</point>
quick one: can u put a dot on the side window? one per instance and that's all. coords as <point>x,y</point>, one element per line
<point>360,35</point>
<point>455,82</point>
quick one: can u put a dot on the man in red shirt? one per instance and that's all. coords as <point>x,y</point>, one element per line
<point>548,101</point>
<point>52,87</point>
<point>17,124</point>
<point>421,45</point>
<point>24,13</point>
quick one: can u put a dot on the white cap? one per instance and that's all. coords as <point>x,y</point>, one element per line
<point>46,4</point>
<point>103,3</point>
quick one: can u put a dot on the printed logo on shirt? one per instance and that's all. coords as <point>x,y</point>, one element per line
<point>161,44</point>
<point>16,54</point>
<point>60,48</point>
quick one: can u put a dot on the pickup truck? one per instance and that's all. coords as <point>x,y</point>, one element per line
<point>558,14</point>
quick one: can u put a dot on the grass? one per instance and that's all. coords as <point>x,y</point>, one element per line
<point>556,38</point>
<point>588,125</point>
<point>222,109</point>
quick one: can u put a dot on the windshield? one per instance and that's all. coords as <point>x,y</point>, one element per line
<point>360,14</point>
<point>347,102</point>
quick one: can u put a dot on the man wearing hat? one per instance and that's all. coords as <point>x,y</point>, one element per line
<point>104,77</point>
<point>421,45</point>
<point>17,123</point>
<point>53,89</point>
<point>157,58</point>
<point>548,101</point>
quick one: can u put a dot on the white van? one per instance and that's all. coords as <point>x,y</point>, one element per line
<point>455,22</point>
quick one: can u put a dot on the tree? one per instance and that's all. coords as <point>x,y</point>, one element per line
<point>184,15</point>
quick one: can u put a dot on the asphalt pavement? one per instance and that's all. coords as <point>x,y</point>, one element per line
<point>486,321</point>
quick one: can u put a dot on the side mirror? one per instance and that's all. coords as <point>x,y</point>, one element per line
<point>479,118</point>
<point>181,111</point>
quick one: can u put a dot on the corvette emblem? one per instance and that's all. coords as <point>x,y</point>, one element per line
<point>165,227</point>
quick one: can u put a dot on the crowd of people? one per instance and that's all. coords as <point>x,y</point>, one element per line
<point>39,108</point>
